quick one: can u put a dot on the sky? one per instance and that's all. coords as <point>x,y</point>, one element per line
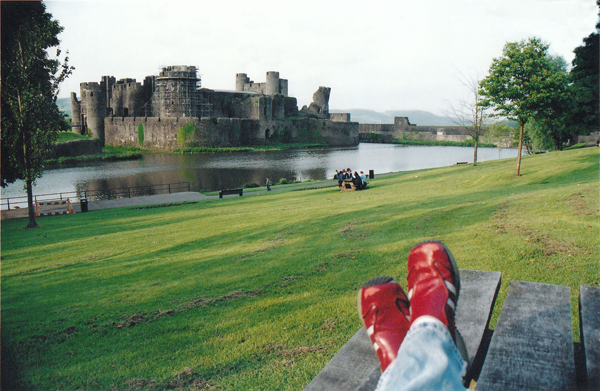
<point>375,54</point>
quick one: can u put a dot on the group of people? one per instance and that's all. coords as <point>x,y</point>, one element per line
<point>359,180</point>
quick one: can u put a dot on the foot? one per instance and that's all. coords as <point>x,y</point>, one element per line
<point>384,310</point>
<point>434,286</point>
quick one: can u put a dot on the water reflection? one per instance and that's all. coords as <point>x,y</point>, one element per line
<point>216,171</point>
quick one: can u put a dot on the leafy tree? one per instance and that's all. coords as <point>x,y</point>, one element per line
<point>522,85</point>
<point>585,85</point>
<point>553,128</point>
<point>29,80</point>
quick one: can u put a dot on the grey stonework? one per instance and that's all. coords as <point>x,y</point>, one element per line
<point>403,129</point>
<point>255,113</point>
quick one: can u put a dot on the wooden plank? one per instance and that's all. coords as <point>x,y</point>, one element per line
<point>532,345</point>
<point>589,315</point>
<point>356,367</point>
<point>478,294</point>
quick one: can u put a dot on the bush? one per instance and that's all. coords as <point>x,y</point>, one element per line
<point>141,134</point>
<point>283,181</point>
<point>250,185</point>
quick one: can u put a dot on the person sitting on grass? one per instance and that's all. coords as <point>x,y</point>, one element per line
<point>414,336</point>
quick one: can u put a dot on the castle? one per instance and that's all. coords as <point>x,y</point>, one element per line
<point>157,113</point>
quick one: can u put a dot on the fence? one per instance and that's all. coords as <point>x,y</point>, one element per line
<point>97,195</point>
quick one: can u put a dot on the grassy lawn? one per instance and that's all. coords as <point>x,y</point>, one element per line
<point>258,292</point>
<point>69,136</point>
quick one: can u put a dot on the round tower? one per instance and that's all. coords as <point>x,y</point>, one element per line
<point>75,114</point>
<point>95,102</point>
<point>240,80</point>
<point>176,92</point>
<point>272,83</point>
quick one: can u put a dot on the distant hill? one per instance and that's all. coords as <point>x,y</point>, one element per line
<point>417,117</point>
<point>65,105</point>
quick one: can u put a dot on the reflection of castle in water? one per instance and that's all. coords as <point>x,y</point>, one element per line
<point>154,114</point>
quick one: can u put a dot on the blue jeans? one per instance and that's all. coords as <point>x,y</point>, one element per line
<point>427,360</point>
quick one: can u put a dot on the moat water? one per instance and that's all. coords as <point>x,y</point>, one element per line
<point>214,171</point>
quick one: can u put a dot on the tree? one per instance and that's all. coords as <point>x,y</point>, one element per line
<point>585,85</point>
<point>553,128</point>
<point>521,85</point>
<point>469,113</point>
<point>29,82</point>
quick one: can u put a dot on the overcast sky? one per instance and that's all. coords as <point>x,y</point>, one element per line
<point>375,54</point>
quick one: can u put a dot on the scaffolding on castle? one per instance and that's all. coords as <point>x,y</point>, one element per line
<point>177,94</point>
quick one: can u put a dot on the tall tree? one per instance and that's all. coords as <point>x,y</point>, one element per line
<point>521,84</point>
<point>29,82</point>
<point>469,113</point>
<point>586,84</point>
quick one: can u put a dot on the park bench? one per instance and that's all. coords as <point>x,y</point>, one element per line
<point>531,347</point>
<point>230,191</point>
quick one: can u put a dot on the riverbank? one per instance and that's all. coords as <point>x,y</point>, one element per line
<point>241,291</point>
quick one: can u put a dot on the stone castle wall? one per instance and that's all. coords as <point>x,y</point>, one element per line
<point>167,134</point>
<point>402,129</point>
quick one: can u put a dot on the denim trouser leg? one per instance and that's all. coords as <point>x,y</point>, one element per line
<point>427,360</point>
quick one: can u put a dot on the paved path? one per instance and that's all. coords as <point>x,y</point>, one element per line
<point>154,200</point>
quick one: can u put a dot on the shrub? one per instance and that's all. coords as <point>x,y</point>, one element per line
<point>186,132</point>
<point>250,185</point>
<point>283,181</point>
<point>141,134</point>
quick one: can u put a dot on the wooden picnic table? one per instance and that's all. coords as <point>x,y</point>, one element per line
<point>531,347</point>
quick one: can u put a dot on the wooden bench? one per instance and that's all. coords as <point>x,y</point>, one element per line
<point>356,367</point>
<point>531,347</point>
<point>230,191</point>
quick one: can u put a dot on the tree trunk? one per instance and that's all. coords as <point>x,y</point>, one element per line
<point>30,206</point>
<point>521,125</point>
<point>475,151</point>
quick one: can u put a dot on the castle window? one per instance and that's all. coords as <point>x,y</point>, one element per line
<point>125,112</point>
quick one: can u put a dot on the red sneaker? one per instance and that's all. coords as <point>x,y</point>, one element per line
<point>384,310</point>
<point>434,286</point>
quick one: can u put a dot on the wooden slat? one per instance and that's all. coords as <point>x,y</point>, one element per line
<point>589,315</point>
<point>356,367</point>
<point>477,297</point>
<point>532,345</point>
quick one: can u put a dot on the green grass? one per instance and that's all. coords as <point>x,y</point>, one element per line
<point>258,292</point>
<point>69,136</point>
<point>109,154</point>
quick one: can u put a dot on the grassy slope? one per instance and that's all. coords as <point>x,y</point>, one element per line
<point>259,292</point>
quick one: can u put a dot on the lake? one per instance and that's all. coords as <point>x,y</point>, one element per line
<point>214,171</point>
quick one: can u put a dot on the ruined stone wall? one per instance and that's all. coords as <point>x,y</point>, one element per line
<point>339,117</point>
<point>166,133</point>
<point>403,129</point>
<point>312,130</point>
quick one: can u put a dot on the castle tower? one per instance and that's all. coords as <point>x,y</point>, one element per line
<point>176,93</point>
<point>240,80</point>
<point>272,83</point>
<point>76,114</point>
<point>94,96</point>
